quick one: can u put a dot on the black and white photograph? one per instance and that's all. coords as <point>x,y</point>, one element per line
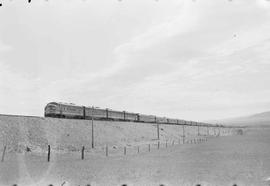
<point>134,92</point>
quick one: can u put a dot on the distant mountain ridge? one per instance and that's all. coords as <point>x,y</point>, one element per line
<point>259,119</point>
<point>263,114</point>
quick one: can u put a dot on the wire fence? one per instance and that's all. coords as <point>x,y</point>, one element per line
<point>50,154</point>
<point>109,150</point>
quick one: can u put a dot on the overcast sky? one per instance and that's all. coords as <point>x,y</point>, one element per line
<point>189,59</point>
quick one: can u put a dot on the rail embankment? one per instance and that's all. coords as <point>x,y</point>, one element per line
<point>35,133</point>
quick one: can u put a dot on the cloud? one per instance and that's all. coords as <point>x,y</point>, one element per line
<point>264,4</point>
<point>4,48</point>
<point>182,23</point>
<point>195,33</point>
<point>196,60</point>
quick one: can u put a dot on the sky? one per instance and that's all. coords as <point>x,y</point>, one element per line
<point>186,59</point>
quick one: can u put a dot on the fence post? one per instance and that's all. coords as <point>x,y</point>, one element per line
<point>173,143</point>
<point>138,149</point>
<point>125,150</point>
<point>82,152</point>
<point>183,134</point>
<point>158,145</point>
<point>149,147</point>
<point>166,144</point>
<point>158,131</point>
<point>107,151</point>
<point>4,152</point>
<point>49,153</point>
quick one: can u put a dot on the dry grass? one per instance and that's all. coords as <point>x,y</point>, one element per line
<point>220,161</point>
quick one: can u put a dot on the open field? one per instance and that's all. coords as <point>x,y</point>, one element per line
<point>219,161</point>
<point>243,160</point>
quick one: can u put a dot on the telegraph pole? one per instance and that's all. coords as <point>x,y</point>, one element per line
<point>92,117</point>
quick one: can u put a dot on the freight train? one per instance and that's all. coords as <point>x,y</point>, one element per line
<point>72,111</point>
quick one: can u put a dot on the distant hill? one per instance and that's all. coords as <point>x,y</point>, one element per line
<point>260,119</point>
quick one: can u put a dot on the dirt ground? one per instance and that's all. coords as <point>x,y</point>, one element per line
<point>240,159</point>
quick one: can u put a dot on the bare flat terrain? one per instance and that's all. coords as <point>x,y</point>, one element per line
<point>240,159</point>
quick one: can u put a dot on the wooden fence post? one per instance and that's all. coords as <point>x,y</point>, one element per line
<point>166,144</point>
<point>107,150</point>
<point>183,134</point>
<point>149,147</point>
<point>49,153</point>
<point>3,155</point>
<point>173,143</point>
<point>158,131</point>
<point>82,152</point>
<point>138,149</point>
<point>158,145</point>
<point>125,150</point>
